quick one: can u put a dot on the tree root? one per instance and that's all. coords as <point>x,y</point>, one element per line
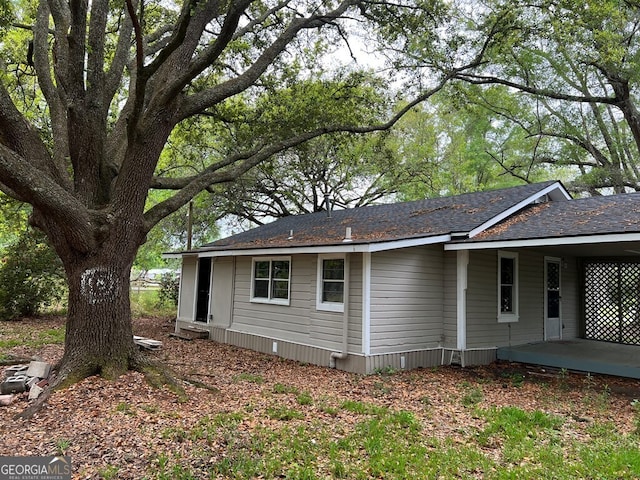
<point>159,375</point>
<point>35,407</point>
<point>188,377</point>
<point>156,373</point>
<point>14,361</point>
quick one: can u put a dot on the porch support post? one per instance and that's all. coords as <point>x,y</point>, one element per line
<point>462,261</point>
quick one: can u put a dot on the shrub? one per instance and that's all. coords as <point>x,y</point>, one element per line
<point>32,277</point>
<point>169,288</point>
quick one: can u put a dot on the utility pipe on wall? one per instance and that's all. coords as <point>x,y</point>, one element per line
<point>345,317</point>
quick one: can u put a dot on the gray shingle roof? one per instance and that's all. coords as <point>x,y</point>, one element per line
<point>586,216</point>
<point>383,223</point>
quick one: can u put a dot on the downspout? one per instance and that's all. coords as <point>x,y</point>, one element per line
<point>462,263</point>
<point>342,355</point>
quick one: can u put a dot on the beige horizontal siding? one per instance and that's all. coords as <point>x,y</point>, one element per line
<point>406,299</point>
<point>483,329</point>
<point>282,321</point>
<point>222,291</point>
<point>450,322</point>
<point>300,321</point>
<point>187,301</point>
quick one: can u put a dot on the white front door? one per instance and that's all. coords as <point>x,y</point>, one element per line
<point>552,297</point>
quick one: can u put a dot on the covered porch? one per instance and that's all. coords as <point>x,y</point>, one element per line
<point>578,354</point>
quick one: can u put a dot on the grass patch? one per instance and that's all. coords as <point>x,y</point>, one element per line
<point>515,378</point>
<point>280,389</point>
<point>284,413</point>
<point>362,408</point>
<point>62,445</point>
<point>609,454</point>
<point>472,396</point>
<point>146,303</point>
<point>109,472</point>
<point>519,433</point>
<point>126,408</point>
<point>386,446</point>
<point>304,398</point>
<point>10,343</point>
<point>16,334</point>
<point>388,443</point>
<point>248,377</point>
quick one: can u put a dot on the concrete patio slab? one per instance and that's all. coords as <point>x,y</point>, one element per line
<point>578,354</point>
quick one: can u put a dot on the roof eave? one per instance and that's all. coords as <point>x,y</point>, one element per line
<point>546,242</point>
<point>345,247</point>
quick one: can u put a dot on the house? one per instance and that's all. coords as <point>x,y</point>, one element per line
<point>418,284</point>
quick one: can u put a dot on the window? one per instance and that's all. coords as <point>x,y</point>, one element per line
<point>330,284</point>
<point>271,279</point>
<point>507,287</point>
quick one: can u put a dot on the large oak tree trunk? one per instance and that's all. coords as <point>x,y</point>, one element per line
<point>99,338</point>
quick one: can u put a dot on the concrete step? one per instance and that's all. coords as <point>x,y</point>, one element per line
<point>190,333</point>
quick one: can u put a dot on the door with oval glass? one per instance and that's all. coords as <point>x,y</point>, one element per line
<point>552,299</point>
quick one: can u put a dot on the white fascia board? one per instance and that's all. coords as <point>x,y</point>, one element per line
<point>345,248</point>
<point>555,187</point>
<point>179,254</point>
<point>349,248</point>
<point>547,242</point>
<point>173,255</point>
<point>413,242</point>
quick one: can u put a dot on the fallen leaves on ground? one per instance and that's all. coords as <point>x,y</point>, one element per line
<point>129,426</point>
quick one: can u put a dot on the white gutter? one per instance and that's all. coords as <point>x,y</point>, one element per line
<point>345,318</point>
<point>547,242</point>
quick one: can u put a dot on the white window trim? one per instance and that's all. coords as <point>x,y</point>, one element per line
<point>512,316</point>
<point>328,306</point>
<point>274,301</point>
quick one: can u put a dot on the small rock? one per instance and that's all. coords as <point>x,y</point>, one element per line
<point>6,400</point>
<point>35,392</point>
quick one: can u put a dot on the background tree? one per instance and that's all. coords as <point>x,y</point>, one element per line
<point>575,67</point>
<point>83,146</point>
<point>31,277</point>
<point>31,274</point>
<point>455,145</point>
<point>350,171</point>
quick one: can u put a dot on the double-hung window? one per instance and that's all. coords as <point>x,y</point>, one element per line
<point>507,287</point>
<point>331,275</point>
<point>271,280</point>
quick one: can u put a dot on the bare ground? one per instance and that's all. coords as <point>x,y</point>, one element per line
<point>124,423</point>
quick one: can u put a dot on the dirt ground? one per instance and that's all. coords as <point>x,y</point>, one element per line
<point>123,423</point>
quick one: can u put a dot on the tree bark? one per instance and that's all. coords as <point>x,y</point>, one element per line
<point>99,337</point>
